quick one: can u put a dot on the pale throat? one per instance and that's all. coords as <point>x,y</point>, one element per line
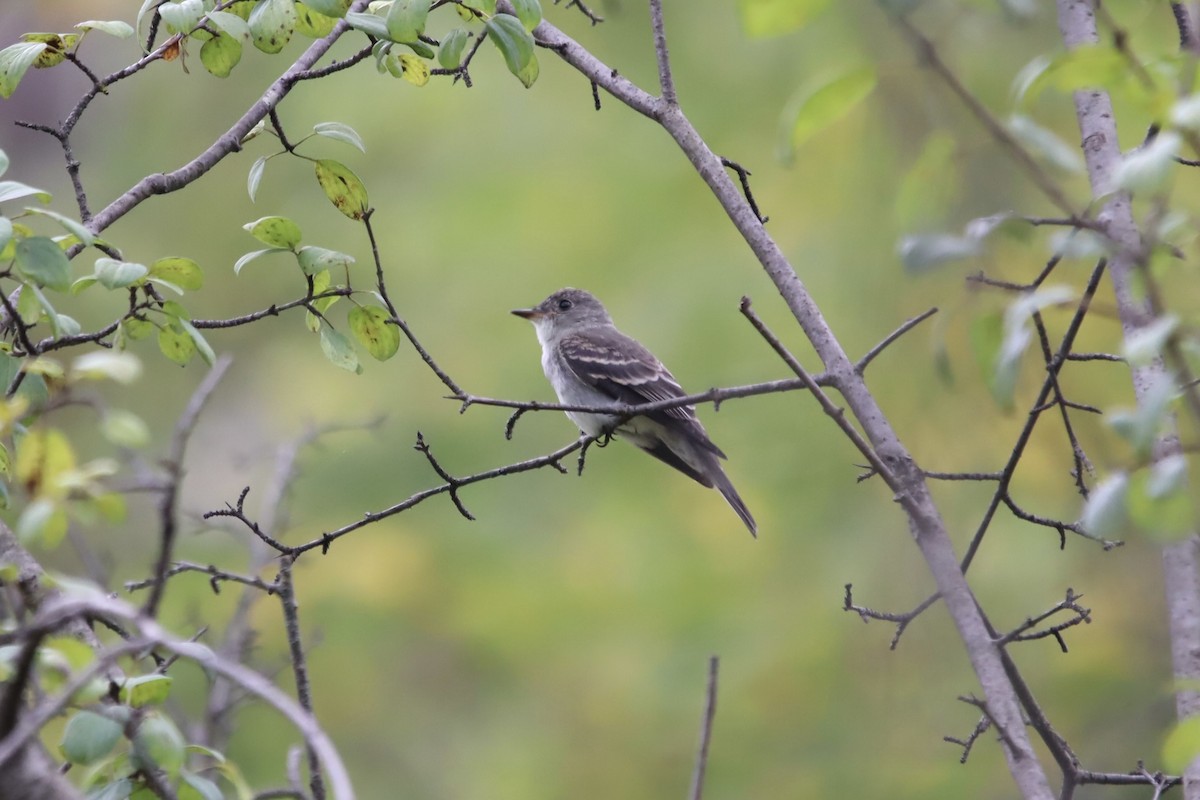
<point>572,391</point>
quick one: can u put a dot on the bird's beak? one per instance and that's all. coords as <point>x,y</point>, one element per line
<point>531,314</point>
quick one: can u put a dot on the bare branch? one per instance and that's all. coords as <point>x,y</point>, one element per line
<point>423,448</point>
<point>837,414</point>
<point>861,365</point>
<point>60,612</point>
<point>930,58</point>
<point>706,724</point>
<point>665,81</point>
<point>173,464</point>
<point>228,142</point>
<point>291,619</point>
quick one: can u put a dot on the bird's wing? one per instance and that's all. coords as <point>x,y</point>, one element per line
<point>622,369</point>
<point>627,372</point>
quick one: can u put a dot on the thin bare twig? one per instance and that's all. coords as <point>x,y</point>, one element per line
<point>861,365</point>
<point>174,468</point>
<point>706,726</point>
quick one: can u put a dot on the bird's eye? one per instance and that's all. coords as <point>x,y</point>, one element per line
<point>564,304</point>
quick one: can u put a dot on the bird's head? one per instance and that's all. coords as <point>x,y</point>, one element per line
<point>566,308</point>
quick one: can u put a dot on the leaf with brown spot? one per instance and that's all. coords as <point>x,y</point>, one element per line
<point>343,188</point>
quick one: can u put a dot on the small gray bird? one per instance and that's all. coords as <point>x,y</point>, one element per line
<point>591,363</point>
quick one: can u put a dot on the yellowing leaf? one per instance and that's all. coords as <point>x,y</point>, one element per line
<point>43,454</point>
<point>371,326</point>
<point>416,71</point>
<point>343,188</point>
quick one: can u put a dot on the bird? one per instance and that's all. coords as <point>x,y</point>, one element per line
<point>590,363</point>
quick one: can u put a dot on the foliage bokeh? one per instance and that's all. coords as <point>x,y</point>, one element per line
<point>557,646</point>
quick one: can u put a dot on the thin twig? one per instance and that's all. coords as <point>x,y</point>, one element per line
<point>173,465</point>
<point>291,619</point>
<point>837,414</point>
<point>665,82</point>
<point>861,365</point>
<point>706,725</point>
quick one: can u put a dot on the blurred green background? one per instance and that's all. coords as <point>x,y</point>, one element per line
<point>557,646</point>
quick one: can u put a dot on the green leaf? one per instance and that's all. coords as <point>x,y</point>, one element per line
<point>113,274</point>
<point>272,23</point>
<point>182,16</point>
<point>320,283</point>
<point>821,104</point>
<point>6,234</point>
<point>420,48</point>
<point>176,345</point>
<point>1182,745</point>
<point>1141,426</point>
<point>512,40</point>
<point>529,73</point>
<point>1186,113</point>
<point>105,364</point>
<point>1104,514</point>
<point>930,185</point>
<point>28,307</point>
<point>231,24</point>
<point>42,523</point>
<point>11,190</point>
<point>15,61</point>
<point>314,260</point>
<point>1145,344</point>
<point>1081,244</point>
<point>74,227</point>
<point>148,8</point>
<point>255,176</point>
<point>248,257</point>
<point>182,272</point>
<point>137,328</point>
<point>201,344</point>
<point>338,350</point>
<point>762,18</point>
<point>925,251</point>
<point>1148,168</point>
<point>158,743</point>
<point>372,327</point>
<point>278,232</point>
<point>370,24</point>
<point>343,188</point>
<point>530,12</point>
<point>451,50</point>
<point>196,787</point>
<point>1159,502</point>
<point>89,737</point>
<point>125,429</point>
<point>1045,144</point>
<point>1098,66</point>
<point>1017,336</point>
<point>43,262</point>
<point>117,28</point>
<point>330,8</point>
<point>985,335</point>
<point>406,19</point>
<point>340,131</point>
<point>221,54</point>
<point>146,690</point>
<point>311,23</point>
<point>65,326</point>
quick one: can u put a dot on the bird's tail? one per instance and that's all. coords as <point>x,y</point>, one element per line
<point>723,485</point>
